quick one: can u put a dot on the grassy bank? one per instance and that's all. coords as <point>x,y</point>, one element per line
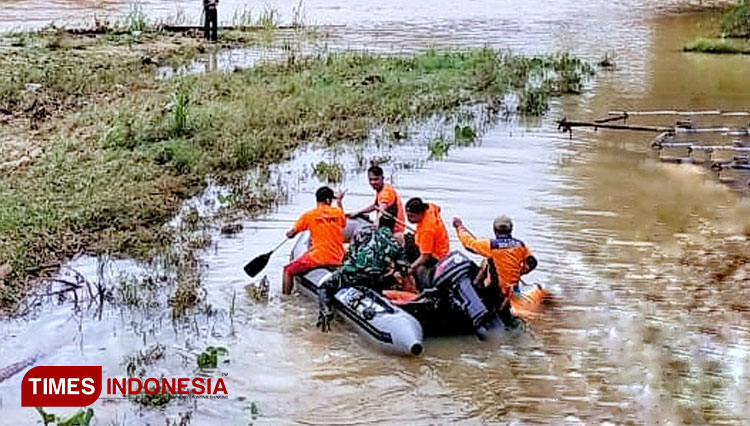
<point>735,24</point>
<point>736,21</point>
<point>115,168</point>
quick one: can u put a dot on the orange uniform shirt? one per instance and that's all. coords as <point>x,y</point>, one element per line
<point>507,253</point>
<point>326,224</point>
<point>390,198</point>
<point>432,236</point>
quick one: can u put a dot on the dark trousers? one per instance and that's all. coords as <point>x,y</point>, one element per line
<point>211,24</point>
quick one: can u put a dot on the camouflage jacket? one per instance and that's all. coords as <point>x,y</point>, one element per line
<point>371,255</point>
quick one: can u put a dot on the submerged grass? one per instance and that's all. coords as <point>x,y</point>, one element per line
<point>112,174</point>
<point>718,45</point>
<point>734,24</point>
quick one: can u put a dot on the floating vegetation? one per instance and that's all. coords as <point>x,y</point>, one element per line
<point>438,148</point>
<point>153,399</point>
<point>182,420</point>
<point>82,417</point>
<point>258,291</point>
<point>254,411</point>
<point>135,364</point>
<point>138,292</point>
<point>231,228</point>
<point>330,172</point>
<point>717,45</point>
<point>209,358</point>
<point>464,135</point>
<point>189,292</point>
<point>534,101</point>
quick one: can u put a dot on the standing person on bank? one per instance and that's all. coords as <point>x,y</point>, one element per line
<point>211,22</point>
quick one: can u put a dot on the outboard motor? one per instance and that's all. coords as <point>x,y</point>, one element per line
<point>453,277</point>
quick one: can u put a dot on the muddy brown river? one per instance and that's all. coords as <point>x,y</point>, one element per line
<point>639,335</point>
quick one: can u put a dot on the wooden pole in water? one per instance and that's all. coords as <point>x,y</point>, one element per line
<point>567,125</point>
<point>683,113</point>
<point>694,147</point>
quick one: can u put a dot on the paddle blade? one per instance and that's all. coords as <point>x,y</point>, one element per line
<point>256,265</point>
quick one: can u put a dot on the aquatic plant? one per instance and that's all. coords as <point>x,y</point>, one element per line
<point>533,101</point>
<point>179,17</point>
<point>81,417</point>
<point>180,107</point>
<point>298,15</point>
<point>254,411</point>
<point>136,20</point>
<point>464,135</point>
<point>721,45</point>
<point>438,148</point>
<point>188,293</point>
<point>137,292</point>
<point>135,365</point>
<point>158,399</point>
<point>182,420</point>
<point>209,358</point>
<point>331,172</point>
<point>268,19</point>
<point>242,17</point>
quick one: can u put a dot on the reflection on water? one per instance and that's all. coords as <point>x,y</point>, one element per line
<point>642,254</point>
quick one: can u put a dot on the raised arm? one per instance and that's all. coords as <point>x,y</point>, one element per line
<point>470,242</point>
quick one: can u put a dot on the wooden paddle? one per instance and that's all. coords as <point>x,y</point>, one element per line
<point>399,221</point>
<point>253,267</point>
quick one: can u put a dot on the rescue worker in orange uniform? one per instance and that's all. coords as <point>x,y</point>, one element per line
<point>431,237</point>
<point>326,225</point>
<point>509,257</point>
<point>386,200</point>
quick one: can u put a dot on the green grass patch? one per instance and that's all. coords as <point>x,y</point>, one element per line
<point>330,172</point>
<point>736,22</point>
<point>114,172</point>
<point>718,46</point>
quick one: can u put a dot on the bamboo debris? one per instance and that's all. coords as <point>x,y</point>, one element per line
<point>567,125</point>
<point>728,131</point>
<point>609,119</point>
<point>683,113</point>
<point>693,147</point>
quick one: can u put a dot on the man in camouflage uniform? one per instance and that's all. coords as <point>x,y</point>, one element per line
<point>374,260</point>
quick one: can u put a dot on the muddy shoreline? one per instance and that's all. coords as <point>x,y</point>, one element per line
<point>96,126</point>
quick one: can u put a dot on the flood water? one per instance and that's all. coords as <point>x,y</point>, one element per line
<point>640,333</point>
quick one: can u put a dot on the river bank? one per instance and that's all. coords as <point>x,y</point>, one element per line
<point>642,252</point>
<point>112,149</point>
